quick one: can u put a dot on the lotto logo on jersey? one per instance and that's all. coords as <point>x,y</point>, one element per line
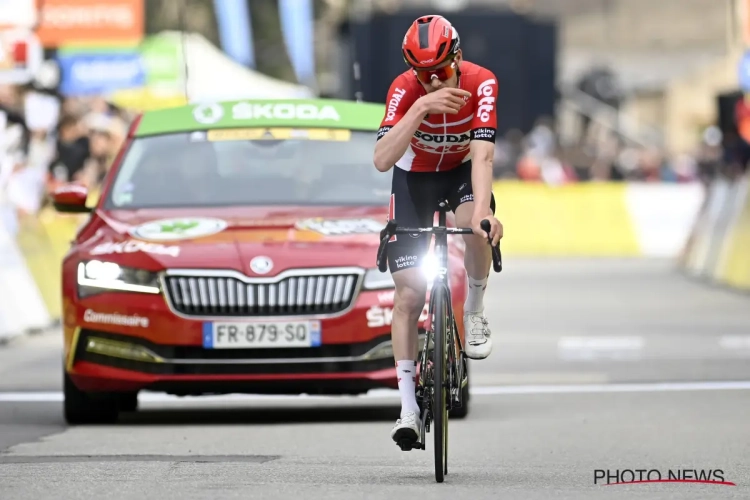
<point>486,100</point>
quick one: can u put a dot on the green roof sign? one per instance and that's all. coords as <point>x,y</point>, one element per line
<point>303,113</point>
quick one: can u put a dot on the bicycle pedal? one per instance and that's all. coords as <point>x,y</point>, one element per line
<point>408,444</point>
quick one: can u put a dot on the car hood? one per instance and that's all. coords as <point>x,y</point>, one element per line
<point>255,241</point>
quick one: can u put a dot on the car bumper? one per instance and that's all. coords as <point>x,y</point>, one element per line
<point>93,377</point>
<point>102,361</point>
<point>168,355</point>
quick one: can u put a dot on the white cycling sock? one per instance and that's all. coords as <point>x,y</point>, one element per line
<point>475,296</point>
<point>406,371</point>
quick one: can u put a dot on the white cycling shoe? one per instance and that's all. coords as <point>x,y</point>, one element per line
<point>478,344</point>
<point>406,429</point>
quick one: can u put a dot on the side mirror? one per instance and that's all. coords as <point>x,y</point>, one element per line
<point>71,199</point>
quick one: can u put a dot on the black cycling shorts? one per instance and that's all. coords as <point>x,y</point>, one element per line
<point>414,200</point>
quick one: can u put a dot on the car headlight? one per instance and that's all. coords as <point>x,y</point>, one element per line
<point>110,276</point>
<point>375,280</point>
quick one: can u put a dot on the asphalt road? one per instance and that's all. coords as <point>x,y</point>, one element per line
<point>598,364</point>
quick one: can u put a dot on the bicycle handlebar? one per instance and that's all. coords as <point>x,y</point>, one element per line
<point>391,229</point>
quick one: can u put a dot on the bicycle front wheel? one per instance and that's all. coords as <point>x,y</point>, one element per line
<point>440,388</point>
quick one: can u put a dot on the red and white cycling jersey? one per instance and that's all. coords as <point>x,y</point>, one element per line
<point>442,141</point>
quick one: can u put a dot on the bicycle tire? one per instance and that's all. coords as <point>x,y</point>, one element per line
<point>440,389</point>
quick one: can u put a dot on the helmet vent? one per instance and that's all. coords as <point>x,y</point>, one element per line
<point>424,35</point>
<point>440,51</point>
<point>414,60</point>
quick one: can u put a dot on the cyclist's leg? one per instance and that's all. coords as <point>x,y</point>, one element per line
<point>477,260</point>
<point>411,207</point>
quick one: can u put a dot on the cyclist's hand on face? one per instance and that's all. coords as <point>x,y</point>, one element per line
<point>496,228</point>
<point>446,100</point>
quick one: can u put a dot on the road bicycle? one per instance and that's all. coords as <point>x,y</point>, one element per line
<point>442,367</point>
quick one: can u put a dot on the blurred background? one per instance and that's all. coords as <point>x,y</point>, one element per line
<point>591,89</point>
<point>622,153</point>
<point>615,92</point>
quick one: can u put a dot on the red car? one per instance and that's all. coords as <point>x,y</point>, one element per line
<point>232,250</point>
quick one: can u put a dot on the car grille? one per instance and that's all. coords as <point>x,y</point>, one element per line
<point>225,295</point>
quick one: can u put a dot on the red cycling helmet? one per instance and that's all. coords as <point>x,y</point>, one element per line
<point>429,41</point>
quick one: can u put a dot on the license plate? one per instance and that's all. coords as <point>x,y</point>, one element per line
<point>261,334</point>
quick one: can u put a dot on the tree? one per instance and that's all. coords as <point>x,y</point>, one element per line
<point>271,55</point>
<point>195,16</point>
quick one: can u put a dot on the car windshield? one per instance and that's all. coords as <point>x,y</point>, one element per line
<point>250,167</point>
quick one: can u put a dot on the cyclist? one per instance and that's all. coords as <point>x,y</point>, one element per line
<point>439,132</point>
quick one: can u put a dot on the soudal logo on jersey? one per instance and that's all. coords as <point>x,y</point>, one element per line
<point>398,94</point>
<point>441,143</point>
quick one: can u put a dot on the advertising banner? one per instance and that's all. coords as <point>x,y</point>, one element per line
<point>96,73</point>
<point>164,85</point>
<point>163,60</point>
<point>90,21</point>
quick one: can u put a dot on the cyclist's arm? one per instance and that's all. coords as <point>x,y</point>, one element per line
<point>483,131</point>
<point>402,117</point>
<point>482,156</point>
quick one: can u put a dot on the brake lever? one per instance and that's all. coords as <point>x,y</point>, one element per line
<point>385,234</point>
<point>497,256</point>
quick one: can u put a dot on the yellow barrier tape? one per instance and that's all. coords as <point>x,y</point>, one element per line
<point>571,220</point>
<point>539,220</point>
<point>44,239</point>
<point>41,261</point>
<point>736,269</point>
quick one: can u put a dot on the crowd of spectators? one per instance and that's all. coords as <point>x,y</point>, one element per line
<point>47,139</point>
<point>539,157</point>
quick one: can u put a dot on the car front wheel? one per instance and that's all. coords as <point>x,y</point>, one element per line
<point>86,408</point>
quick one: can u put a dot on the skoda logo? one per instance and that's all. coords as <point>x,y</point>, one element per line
<point>261,265</point>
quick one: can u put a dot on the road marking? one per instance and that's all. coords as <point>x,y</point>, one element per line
<point>594,348</point>
<point>54,397</point>
<point>601,343</point>
<point>733,342</point>
<point>537,378</point>
<point>614,387</point>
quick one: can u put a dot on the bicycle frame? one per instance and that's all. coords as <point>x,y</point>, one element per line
<point>452,363</point>
<point>453,343</point>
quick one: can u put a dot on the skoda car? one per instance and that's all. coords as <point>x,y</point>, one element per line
<point>232,249</point>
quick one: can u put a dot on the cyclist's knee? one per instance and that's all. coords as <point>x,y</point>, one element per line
<point>474,242</point>
<point>410,293</point>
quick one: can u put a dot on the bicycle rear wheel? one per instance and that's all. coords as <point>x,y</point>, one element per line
<point>440,388</point>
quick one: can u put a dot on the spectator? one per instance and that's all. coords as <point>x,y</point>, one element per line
<point>507,153</point>
<point>542,141</point>
<point>73,148</point>
<point>106,137</point>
